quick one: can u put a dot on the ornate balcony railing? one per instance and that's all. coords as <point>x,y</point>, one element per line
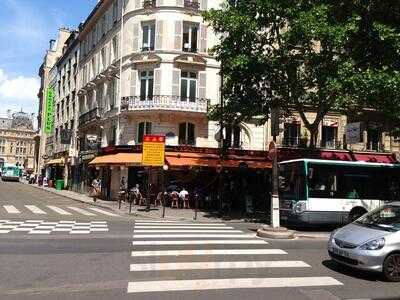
<point>332,144</point>
<point>191,4</point>
<point>91,115</point>
<point>167,103</point>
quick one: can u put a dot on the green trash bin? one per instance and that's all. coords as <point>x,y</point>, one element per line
<point>59,184</point>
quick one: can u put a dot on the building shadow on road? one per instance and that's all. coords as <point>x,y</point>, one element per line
<point>363,275</point>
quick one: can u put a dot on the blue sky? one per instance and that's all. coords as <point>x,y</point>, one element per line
<point>26,28</point>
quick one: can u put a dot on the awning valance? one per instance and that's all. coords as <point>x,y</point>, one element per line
<point>118,159</point>
<point>56,161</point>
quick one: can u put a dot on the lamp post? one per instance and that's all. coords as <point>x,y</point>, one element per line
<point>165,169</point>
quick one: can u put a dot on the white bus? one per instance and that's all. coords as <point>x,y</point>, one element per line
<point>316,191</point>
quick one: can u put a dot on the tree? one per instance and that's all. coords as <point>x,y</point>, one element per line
<point>306,55</point>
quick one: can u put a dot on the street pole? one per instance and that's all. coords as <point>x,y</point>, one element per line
<point>148,190</point>
<point>275,222</point>
<point>164,170</point>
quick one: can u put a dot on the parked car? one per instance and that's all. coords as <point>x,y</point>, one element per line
<point>370,243</point>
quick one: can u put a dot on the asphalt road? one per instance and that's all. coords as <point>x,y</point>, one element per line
<point>102,256</point>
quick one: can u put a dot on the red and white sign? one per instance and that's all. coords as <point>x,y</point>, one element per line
<point>153,153</point>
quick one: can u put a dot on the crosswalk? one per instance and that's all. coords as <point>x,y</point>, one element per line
<point>195,257</point>
<point>52,209</point>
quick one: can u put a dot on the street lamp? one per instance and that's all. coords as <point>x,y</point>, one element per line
<point>165,169</point>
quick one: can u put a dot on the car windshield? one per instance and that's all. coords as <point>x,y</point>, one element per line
<point>385,218</point>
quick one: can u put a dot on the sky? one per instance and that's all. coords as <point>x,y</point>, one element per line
<point>26,28</point>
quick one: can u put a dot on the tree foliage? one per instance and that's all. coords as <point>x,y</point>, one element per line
<point>299,55</point>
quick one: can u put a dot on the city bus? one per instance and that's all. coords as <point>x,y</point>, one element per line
<point>10,172</point>
<point>316,191</point>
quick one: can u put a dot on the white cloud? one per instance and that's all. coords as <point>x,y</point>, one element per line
<point>18,93</point>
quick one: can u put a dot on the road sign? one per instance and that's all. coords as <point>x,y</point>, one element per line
<point>153,153</point>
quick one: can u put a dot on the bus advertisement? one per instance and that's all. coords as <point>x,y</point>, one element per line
<point>315,191</point>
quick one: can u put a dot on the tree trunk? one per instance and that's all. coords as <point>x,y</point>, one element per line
<point>313,137</point>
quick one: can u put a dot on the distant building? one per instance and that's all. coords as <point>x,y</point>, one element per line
<point>17,140</point>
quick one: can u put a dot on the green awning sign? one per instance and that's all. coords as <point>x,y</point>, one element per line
<point>49,117</point>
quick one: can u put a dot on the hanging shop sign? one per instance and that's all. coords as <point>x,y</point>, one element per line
<point>49,117</point>
<point>153,153</point>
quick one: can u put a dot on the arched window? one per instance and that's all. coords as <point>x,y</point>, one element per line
<point>233,136</point>
<point>186,134</point>
<point>143,128</point>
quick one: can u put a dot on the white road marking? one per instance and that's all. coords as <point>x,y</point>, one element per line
<point>80,232</point>
<point>99,222</point>
<point>209,252</point>
<point>187,231</point>
<point>81,211</point>
<point>98,229</point>
<point>4,231</point>
<point>11,209</point>
<point>229,283</point>
<point>206,235</point>
<point>177,224</point>
<point>59,210</point>
<point>103,211</point>
<point>199,242</point>
<point>183,227</point>
<point>66,222</point>
<point>213,265</point>
<point>35,210</point>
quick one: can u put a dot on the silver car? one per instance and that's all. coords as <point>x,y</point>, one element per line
<point>370,243</point>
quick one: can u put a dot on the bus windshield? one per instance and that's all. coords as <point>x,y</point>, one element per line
<point>292,183</point>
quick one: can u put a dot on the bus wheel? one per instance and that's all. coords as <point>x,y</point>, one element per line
<point>355,213</point>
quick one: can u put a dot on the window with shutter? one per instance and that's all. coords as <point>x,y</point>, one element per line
<point>159,35</point>
<point>135,37</point>
<point>202,85</point>
<point>188,86</point>
<point>176,76</point>
<point>203,38</point>
<point>189,37</point>
<point>148,36</point>
<point>203,5</point>
<point>133,82</point>
<point>146,85</point>
<point>187,134</point>
<point>157,82</point>
<point>178,36</point>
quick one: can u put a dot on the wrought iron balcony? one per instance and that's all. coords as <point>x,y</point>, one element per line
<point>164,103</point>
<point>191,4</point>
<point>90,116</point>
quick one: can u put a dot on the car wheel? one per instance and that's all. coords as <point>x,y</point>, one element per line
<point>355,214</point>
<point>391,267</point>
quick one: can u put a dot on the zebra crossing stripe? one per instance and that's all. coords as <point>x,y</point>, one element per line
<point>59,210</point>
<point>165,223</point>
<point>183,227</point>
<point>81,211</point>
<point>214,265</point>
<point>206,235</point>
<point>103,211</point>
<point>228,283</point>
<point>187,231</point>
<point>200,242</point>
<point>11,209</point>
<point>35,210</point>
<point>208,252</point>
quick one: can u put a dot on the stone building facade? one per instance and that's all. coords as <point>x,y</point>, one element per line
<point>17,140</point>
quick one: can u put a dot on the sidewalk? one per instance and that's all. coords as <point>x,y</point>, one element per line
<point>139,211</point>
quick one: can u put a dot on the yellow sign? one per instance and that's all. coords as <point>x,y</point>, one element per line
<point>153,150</point>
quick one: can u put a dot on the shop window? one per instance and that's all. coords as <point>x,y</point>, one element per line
<point>143,128</point>
<point>190,37</point>
<point>188,86</point>
<point>149,35</point>
<point>146,85</point>
<point>186,134</point>
<point>291,134</point>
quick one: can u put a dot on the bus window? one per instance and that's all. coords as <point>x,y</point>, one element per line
<point>323,182</point>
<point>292,181</point>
